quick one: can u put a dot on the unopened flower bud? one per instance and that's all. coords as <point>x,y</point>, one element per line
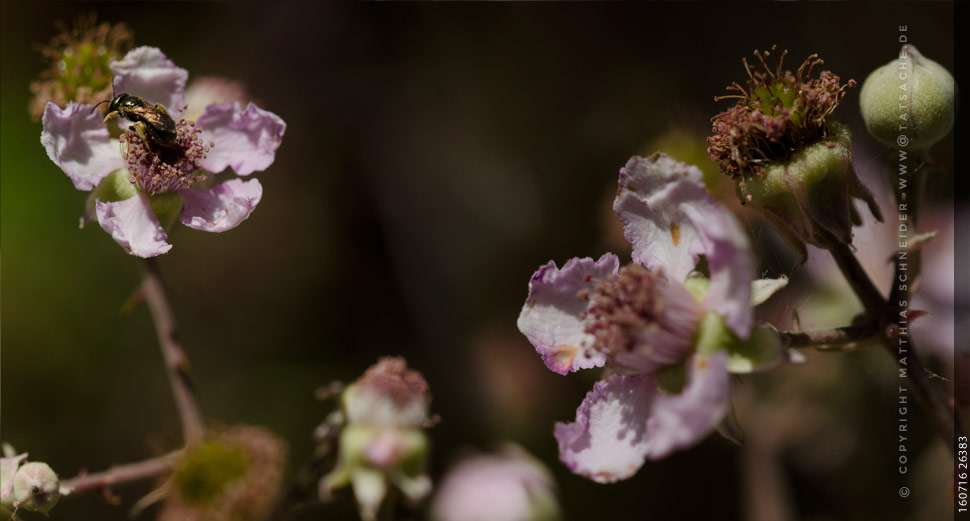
<point>909,102</point>
<point>388,394</point>
<point>36,487</point>
<point>383,443</point>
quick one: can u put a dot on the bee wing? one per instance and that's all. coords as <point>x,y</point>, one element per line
<point>150,115</point>
<point>161,108</point>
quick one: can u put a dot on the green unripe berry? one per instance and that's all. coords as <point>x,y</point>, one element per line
<point>909,102</point>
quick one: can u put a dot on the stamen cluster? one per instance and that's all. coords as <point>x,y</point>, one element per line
<point>157,168</point>
<point>622,307</point>
<point>777,114</point>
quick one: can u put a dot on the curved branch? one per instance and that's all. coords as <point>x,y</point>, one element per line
<point>176,361</point>
<point>120,474</point>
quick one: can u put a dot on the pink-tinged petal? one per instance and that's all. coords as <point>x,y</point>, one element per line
<point>553,315</point>
<point>608,441</point>
<point>146,72</point>
<point>244,140</point>
<point>133,225</point>
<point>79,144</point>
<point>221,207</point>
<point>203,91</point>
<point>670,219</point>
<point>731,264</point>
<point>8,469</point>
<point>681,420</point>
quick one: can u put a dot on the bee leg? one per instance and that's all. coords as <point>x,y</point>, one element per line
<point>140,130</point>
<point>109,116</point>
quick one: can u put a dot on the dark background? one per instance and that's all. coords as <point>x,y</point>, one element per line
<point>435,155</point>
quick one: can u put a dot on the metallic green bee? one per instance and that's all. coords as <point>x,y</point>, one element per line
<point>148,120</point>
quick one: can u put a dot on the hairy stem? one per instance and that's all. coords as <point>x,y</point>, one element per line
<point>120,474</point>
<point>899,345</point>
<point>176,362</point>
<point>828,337</point>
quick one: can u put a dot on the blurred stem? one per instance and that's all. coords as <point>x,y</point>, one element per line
<point>176,362</point>
<point>120,474</point>
<point>821,338</point>
<point>768,497</point>
<point>898,343</point>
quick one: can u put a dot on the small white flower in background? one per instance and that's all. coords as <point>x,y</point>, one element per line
<point>508,486</point>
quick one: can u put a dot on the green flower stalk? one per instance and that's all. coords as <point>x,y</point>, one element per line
<point>909,102</point>
<point>786,154</point>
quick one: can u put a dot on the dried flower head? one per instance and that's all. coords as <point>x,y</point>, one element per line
<point>78,60</point>
<point>777,114</point>
<point>234,476</point>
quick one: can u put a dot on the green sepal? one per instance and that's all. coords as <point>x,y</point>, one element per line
<point>761,350</point>
<point>113,188</point>
<point>697,286</point>
<point>730,427</point>
<point>167,208</point>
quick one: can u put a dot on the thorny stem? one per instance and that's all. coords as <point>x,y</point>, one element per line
<point>176,362</point>
<point>120,474</point>
<point>821,338</point>
<point>886,323</point>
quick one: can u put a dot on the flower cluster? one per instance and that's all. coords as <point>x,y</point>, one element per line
<point>140,189</point>
<point>668,335</point>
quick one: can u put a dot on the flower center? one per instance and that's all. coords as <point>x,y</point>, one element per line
<point>779,113</point>
<point>640,320</point>
<point>157,168</point>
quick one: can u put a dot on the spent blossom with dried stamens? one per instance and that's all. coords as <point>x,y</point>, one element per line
<point>138,189</point>
<point>788,156</point>
<point>234,475</point>
<point>382,443</point>
<point>778,113</point>
<point>654,318</point>
<point>78,63</point>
